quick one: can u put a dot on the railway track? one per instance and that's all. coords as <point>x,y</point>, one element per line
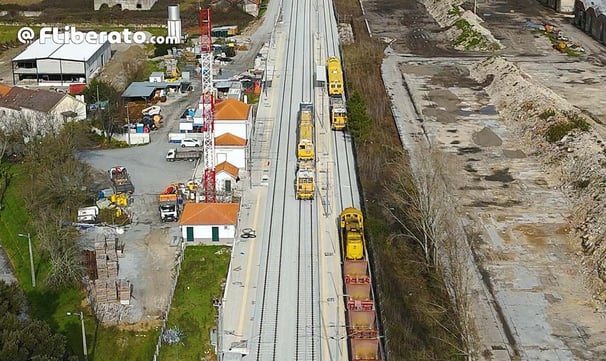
<point>289,270</point>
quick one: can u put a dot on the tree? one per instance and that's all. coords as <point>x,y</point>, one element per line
<point>24,339</point>
<point>107,115</point>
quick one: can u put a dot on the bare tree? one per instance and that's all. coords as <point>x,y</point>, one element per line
<point>420,196</point>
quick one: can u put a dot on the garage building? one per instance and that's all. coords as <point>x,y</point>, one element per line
<point>59,64</point>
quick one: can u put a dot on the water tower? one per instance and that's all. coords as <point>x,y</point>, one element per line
<point>174,22</point>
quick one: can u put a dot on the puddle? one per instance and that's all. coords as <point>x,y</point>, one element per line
<point>506,204</point>
<point>534,234</point>
<point>469,150</point>
<point>470,169</point>
<point>514,153</point>
<point>500,175</point>
<point>486,138</point>
<point>488,110</point>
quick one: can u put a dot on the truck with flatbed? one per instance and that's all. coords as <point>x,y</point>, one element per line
<point>120,180</point>
<point>174,154</point>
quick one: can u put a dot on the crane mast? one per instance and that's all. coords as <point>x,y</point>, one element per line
<point>207,104</point>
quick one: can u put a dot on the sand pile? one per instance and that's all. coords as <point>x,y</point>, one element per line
<point>579,156</point>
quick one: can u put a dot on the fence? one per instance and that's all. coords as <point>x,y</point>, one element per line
<point>170,300</point>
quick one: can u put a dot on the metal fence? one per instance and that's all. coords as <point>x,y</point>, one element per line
<point>170,299</point>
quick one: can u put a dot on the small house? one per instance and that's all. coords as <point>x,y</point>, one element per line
<point>209,223</point>
<point>226,177</point>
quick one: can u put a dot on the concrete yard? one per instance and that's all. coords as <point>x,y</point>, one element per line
<point>530,298</point>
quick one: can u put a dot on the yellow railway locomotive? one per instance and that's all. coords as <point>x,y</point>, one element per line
<point>351,224</point>
<point>338,111</point>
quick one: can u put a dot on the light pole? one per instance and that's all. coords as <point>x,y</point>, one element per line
<point>83,332</point>
<point>31,256</point>
<point>128,124</point>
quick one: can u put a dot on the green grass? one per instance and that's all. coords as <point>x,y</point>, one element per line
<point>192,310</point>
<point>9,32</point>
<point>104,344</point>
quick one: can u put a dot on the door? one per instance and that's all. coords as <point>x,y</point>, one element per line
<point>228,185</point>
<point>215,234</point>
<point>190,234</point>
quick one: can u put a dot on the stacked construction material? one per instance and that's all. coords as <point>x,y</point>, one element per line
<point>362,328</point>
<point>107,287</point>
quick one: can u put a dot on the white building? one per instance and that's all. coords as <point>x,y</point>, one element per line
<point>47,63</point>
<point>38,111</point>
<point>233,116</point>
<point>227,176</point>
<point>209,223</point>
<point>232,149</point>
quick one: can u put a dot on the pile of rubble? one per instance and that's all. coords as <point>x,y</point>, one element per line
<point>463,27</point>
<point>579,157</point>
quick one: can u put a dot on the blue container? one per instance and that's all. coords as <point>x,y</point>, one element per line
<point>140,128</point>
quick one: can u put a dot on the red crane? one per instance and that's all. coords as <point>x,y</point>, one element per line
<point>207,104</point>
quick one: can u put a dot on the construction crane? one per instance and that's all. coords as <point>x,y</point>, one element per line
<point>207,104</point>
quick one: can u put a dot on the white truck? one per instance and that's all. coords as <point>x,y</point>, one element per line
<point>169,207</point>
<point>183,154</point>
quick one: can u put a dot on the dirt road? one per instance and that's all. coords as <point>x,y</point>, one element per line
<point>528,292</point>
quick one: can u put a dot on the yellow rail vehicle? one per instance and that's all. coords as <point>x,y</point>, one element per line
<point>305,145</point>
<point>351,225</point>
<point>335,76</point>
<point>305,183</point>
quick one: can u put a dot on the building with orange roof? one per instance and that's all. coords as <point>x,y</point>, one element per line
<point>209,223</point>
<point>231,148</point>
<point>227,176</point>
<point>233,116</point>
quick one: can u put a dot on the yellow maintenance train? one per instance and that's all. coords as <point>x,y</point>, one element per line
<point>338,111</point>
<point>335,77</point>
<point>305,184</point>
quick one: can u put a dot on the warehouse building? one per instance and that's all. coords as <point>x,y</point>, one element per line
<point>59,64</point>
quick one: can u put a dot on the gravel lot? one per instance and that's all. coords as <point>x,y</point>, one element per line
<point>148,257</point>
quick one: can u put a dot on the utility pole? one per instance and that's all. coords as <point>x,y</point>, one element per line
<point>128,124</point>
<point>31,256</point>
<point>84,348</point>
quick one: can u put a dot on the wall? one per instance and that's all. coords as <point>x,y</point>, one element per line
<point>221,177</point>
<point>100,58</point>
<point>234,155</point>
<point>69,103</point>
<point>235,127</point>
<point>203,234</point>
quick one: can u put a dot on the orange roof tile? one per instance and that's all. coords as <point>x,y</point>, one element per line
<point>228,139</point>
<point>231,109</point>
<point>228,168</point>
<point>195,214</point>
<point>4,89</point>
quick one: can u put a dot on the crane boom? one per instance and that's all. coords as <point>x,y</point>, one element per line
<point>207,104</point>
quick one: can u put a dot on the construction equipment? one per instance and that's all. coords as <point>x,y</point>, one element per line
<point>174,154</point>
<point>120,200</point>
<point>305,145</point>
<point>305,183</point>
<point>120,179</point>
<point>338,113</point>
<point>335,76</point>
<point>169,207</point>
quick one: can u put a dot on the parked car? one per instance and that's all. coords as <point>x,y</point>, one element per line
<point>191,142</point>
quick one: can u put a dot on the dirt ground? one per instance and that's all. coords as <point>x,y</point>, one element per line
<point>537,304</point>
